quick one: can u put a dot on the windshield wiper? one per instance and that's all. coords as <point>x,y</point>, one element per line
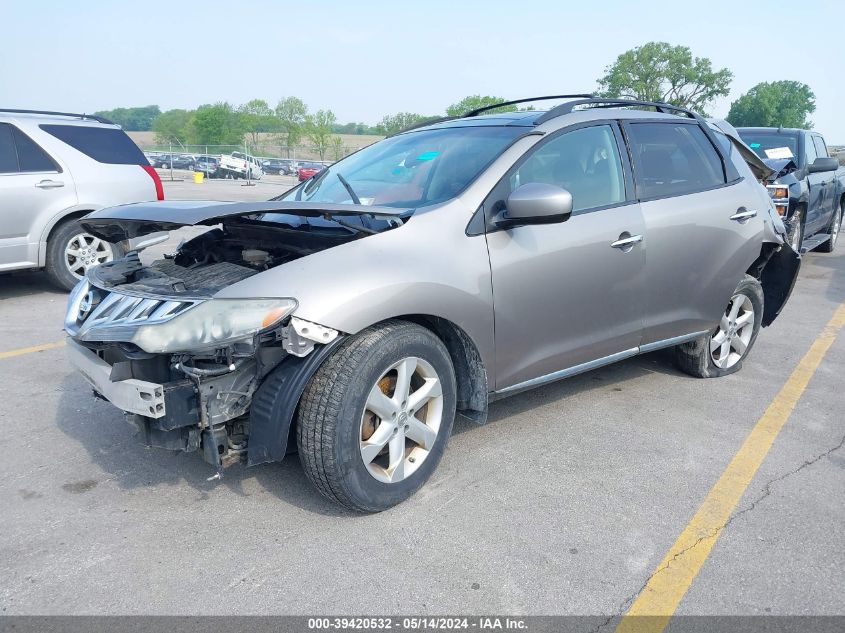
<point>349,225</point>
<point>349,189</point>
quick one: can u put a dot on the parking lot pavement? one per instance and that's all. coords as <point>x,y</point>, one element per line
<point>563,504</point>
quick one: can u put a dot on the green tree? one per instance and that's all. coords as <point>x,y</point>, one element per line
<point>291,113</point>
<point>257,117</point>
<point>658,71</point>
<point>217,124</point>
<point>779,103</point>
<point>172,126</point>
<point>318,130</point>
<point>133,119</point>
<point>337,147</point>
<point>474,102</point>
<point>391,124</point>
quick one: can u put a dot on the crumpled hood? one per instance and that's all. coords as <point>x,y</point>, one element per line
<point>115,224</point>
<point>780,167</point>
<point>757,165</point>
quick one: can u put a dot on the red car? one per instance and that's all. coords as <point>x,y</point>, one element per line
<point>307,170</point>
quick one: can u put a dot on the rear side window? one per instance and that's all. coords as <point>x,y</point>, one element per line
<point>104,145</point>
<point>19,153</point>
<point>30,156</point>
<point>728,152</point>
<point>8,155</point>
<point>673,159</point>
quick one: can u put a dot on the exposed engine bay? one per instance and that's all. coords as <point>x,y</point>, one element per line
<point>199,397</point>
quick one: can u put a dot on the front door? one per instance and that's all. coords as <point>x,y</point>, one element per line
<point>569,293</point>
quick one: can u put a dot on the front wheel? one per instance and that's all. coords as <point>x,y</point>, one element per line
<point>723,350</point>
<point>374,421</point>
<point>71,252</point>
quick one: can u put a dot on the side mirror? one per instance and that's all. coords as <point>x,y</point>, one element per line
<point>824,164</point>
<point>535,203</point>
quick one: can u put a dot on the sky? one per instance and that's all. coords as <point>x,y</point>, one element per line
<point>364,59</point>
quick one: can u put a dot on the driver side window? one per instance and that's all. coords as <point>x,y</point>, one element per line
<point>585,162</point>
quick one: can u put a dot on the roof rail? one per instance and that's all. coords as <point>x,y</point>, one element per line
<point>503,104</point>
<point>93,117</point>
<point>612,102</point>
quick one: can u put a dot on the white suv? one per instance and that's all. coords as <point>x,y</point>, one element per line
<point>54,169</point>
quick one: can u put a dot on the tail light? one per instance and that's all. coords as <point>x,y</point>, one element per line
<point>154,175</point>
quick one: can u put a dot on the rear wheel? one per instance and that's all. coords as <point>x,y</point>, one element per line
<point>723,350</point>
<point>833,230</point>
<point>374,421</point>
<point>71,252</point>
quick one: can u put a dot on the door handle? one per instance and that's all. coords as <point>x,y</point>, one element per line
<point>742,215</point>
<point>49,184</point>
<point>626,241</point>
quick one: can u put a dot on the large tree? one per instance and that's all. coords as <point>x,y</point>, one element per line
<point>474,102</point>
<point>172,126</point>
<point>779,103</point>
<point>217,124</point>
<point>658,71</point>
<point>257,117</point>
<point>318,130</point>
<point>291,113</point>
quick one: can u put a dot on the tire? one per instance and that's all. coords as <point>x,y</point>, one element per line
<point>833,230</point>
<point>336,427</point>
<point>795,235</point>
<point>66,237</point>
<point>699,358</point>
<point>165,166</point>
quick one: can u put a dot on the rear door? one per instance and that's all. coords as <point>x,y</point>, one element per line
<point>33,188</point>
<point>828,180</point>
<point>563,294</point>
<point>703,226</point>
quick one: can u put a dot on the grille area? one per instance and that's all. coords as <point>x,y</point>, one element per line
<point>98,315</point>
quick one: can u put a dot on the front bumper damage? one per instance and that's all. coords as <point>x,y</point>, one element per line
<point>179,402</point>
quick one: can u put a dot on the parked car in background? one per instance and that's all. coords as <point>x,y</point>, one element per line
<point>208,165</point>
<point>54,169</point>
<point>240,165</point>
<point>808,185</point>
<point>325,315</point>
<point>289,166</point>
<point>308,170</point>
<point>273,166</point>
<point>176,161</point>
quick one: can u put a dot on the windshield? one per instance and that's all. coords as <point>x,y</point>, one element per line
<point>771,144</point>
<point>409,170</point>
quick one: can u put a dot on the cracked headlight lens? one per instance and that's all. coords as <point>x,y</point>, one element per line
<point>211,324</point>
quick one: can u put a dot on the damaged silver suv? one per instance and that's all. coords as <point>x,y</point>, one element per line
<point>352,318</point>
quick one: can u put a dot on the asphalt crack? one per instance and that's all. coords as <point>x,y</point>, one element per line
<point>766,492</point>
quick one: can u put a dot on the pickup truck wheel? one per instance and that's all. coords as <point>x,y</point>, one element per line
<point>723,350</point>
<point>795,234</point>
<point>374,421</point>
<point>833,230</point>
<point>71,252</point>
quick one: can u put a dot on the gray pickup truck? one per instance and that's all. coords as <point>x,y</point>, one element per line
<point>808,186</point>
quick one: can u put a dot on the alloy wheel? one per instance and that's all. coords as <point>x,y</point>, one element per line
<point>84,251</point>
<point>731,339</point>
<point>401,420</point>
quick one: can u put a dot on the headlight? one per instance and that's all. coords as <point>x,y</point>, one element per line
<point>211,324</point>
<point>780,197</point>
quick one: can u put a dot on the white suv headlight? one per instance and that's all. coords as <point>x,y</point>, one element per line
<point>211,324</point>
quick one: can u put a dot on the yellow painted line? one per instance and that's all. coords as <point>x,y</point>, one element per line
<point>30,350</point>
<point>676,572</point>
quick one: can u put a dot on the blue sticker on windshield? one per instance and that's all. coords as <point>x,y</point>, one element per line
<point>428,155</point>
<point>396,170</point>
<point>754,145</point>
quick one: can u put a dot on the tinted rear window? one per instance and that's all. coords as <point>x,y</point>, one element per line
<point>31,158</point>
<point>104,145</point>
<point>8,155</point>
<point>672,159</point>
